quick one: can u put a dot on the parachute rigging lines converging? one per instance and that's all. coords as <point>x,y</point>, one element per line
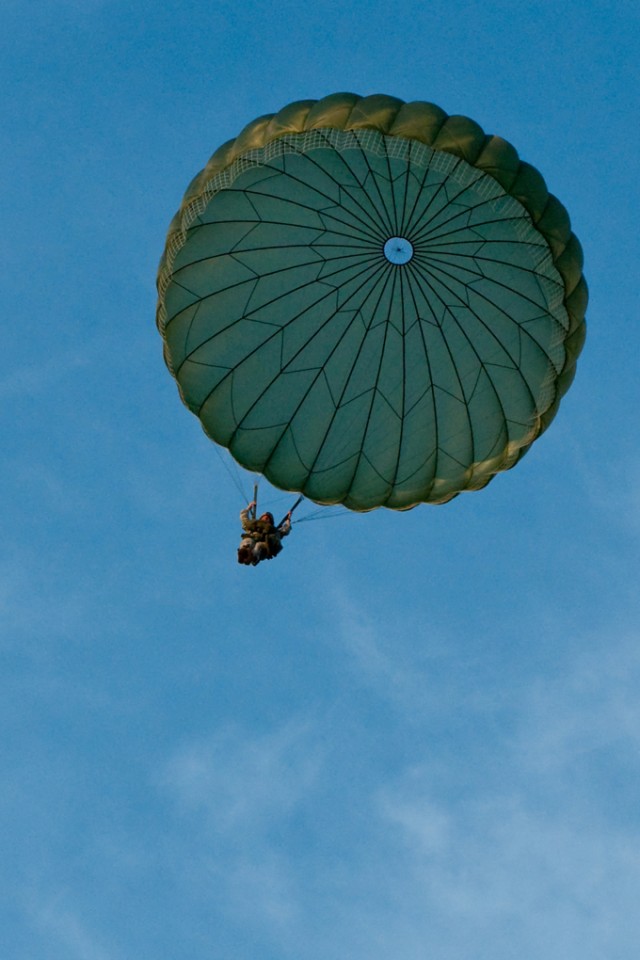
<point>371,303</point>
<point>275,499</point>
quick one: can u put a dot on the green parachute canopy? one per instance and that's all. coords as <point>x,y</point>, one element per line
<point>370,302</point>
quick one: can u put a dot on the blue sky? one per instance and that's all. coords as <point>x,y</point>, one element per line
<point>414,735</point>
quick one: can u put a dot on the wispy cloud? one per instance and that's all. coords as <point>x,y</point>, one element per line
<point>499,872</point>
<point>590,708</point>
<point>514,851</point>
<point>240,783</point>
<point>237,792</point>
<point>65,932</point>
<point>529,856</point>
<point>382,654</point>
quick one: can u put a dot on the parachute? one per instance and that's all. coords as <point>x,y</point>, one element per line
<point>370,302</point>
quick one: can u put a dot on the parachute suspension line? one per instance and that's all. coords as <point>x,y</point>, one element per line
<point>255,499</point>
<point>325,513</point>
<point>233,472</point>
<point>296,504</point>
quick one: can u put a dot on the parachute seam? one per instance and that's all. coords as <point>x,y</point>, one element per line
<point>315,333</point>
<point>268,303</point>
<point>390,274</point>
<point>404,394</point>
<point>478,293</point>
<point>381,271</point>
<point>471,436</point>
<point>480,361</point>
<point>310,469</point>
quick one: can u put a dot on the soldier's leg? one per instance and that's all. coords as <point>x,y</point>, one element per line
<point>245,551</point>
<point>260,552</point>
<point>274,547</point>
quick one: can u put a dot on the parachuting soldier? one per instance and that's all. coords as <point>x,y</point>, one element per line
<point>261,539</point>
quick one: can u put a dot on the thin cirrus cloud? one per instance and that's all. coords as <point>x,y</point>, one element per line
<point>530,852</point>
<point>521,851</point>
<point>238,782</point>
<point>232,795</point>
<point>65,932</point>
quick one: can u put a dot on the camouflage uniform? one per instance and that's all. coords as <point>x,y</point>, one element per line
<point>261,540</point>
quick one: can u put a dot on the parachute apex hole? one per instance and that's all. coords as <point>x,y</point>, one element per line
<point>398,250</point>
